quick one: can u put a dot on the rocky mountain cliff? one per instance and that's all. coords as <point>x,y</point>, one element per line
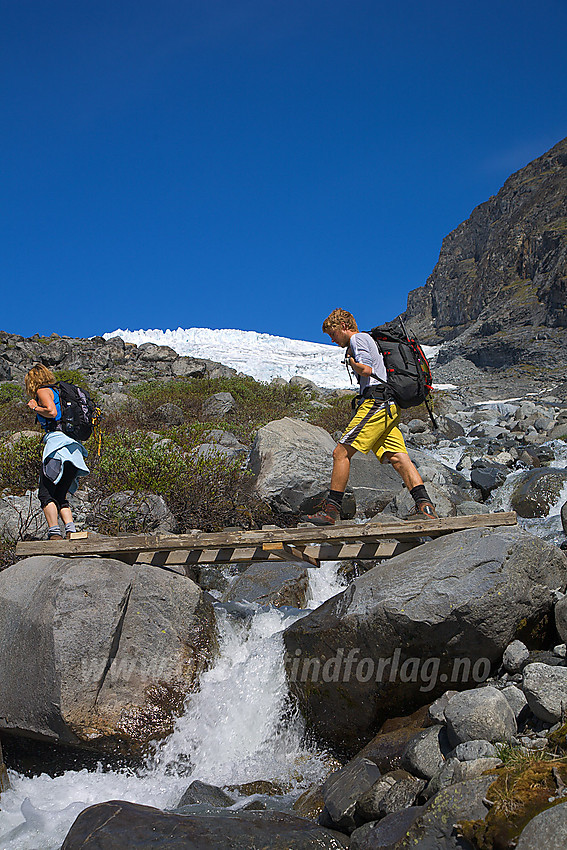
<point>499,290</point>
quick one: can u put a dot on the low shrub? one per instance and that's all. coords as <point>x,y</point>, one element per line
<point>73,376</point>
<point>256,404</point>
<point>7,553</point>
<point>20,463</point>
<point>10,392</point>
<point>202,492</point>
<point>14,412</point>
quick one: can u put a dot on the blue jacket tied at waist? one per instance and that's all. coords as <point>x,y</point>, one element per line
<point>59,448</point>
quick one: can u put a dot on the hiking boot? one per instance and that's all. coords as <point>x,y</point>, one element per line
<point>422,510</point>
<point>327,515</point>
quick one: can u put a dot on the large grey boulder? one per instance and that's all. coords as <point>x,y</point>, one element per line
<point>537,490</point>
<point>429,827</point>
<point>120,825</point>
<point>271,583</point>
<point>373,484</point>
<point>547,830</point>
<point>343,789</point>
<point>561,618</point>
<point>545,689</point>
<point>438,616</point>
<point>149,351</point>
<point>564,517</point>
<point>291,460</point>
<point>97,653</point>
<point>130,511</point>
<point>188,367</point>
<point>425,754</point>
<point>218,405</point>
<point>482,714</point>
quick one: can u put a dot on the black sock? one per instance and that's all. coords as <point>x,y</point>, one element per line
<point>336,497</point>
<point>420,494</point>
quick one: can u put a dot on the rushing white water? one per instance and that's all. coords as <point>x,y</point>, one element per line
<point>239,727</point>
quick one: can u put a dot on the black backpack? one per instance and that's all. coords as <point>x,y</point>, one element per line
<point>78,411</point>
<point>409,375</point>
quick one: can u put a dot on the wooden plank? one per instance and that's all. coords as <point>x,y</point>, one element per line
<point>189,557</point>
<point>198,540</point>
<point>312,554</point>
<point>286,552</point>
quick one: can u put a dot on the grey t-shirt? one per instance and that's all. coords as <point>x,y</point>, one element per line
<point>364,350</point>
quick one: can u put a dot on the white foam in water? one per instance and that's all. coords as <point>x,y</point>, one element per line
<point>238,728</point>
<point>324,582</point>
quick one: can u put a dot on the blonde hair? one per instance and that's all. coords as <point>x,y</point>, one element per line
<point>338,318</point>
<point>36,377</point>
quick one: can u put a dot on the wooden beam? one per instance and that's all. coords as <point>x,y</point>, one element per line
<point>286,552</point>
<point>367,532</point>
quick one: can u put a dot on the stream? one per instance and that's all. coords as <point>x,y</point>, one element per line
<point>239,727</point>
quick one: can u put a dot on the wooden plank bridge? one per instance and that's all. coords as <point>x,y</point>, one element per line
<point>311,544</point>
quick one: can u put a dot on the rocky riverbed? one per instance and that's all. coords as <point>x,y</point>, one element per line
<point>414,702</point>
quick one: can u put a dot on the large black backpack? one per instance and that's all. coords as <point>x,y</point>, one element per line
<point>78,411</point>
<point>409,375</point>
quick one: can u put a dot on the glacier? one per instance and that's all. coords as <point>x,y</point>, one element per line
<point>260,355</point>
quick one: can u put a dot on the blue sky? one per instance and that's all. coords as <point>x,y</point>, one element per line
<point>253,164</point>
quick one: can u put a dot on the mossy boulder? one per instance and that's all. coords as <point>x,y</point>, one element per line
<point>524,788</point>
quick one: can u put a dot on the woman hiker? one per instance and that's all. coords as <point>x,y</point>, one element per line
<point>63,460</point>
<point>372,427</point>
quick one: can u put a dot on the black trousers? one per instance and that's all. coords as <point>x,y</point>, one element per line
<point>50,492</point>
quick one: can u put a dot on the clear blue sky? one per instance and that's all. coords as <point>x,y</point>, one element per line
<point>253,164</point>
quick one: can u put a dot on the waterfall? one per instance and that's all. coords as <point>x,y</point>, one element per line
<point>240,726</point>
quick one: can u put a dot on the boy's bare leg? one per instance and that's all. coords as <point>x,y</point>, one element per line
<point>341,467</point>
<point>405,468</point>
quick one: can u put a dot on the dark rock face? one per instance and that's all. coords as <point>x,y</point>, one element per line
<point>374,646</point>
<point>499,289</point>
<point>121,826</point>
<point>4,783</point>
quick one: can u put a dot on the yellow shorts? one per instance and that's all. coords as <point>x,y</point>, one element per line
<point>371,428</point>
